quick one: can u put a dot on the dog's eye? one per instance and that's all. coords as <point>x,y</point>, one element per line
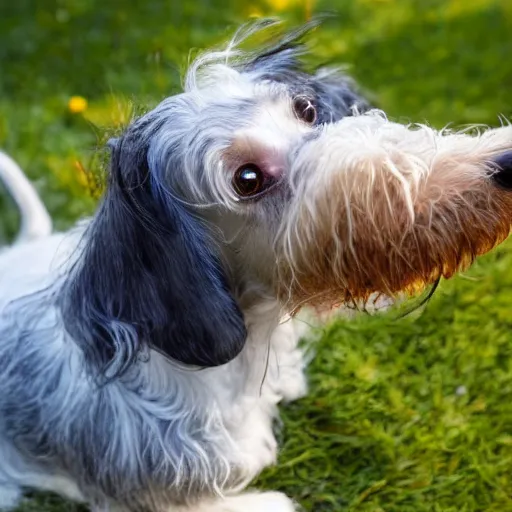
<point>304,109</point>
<point>248,180</point>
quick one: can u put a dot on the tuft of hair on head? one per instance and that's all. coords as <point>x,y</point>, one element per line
<point>277,51</point>
<point>265,51</point>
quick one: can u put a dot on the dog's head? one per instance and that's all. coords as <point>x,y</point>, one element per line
<point>263,173</point>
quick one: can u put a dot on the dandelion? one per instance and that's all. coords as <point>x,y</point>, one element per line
<point>282,5</point>
<point>77,104</point>
<point>254,12</point>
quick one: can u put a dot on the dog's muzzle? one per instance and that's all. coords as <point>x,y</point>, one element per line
<point>382,208</point>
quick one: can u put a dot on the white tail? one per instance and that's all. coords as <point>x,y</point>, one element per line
<point>35,220</point>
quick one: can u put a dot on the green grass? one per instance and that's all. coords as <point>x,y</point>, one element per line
<point>403,415</point>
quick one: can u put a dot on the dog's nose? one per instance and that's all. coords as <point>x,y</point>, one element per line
<point>503,174</point>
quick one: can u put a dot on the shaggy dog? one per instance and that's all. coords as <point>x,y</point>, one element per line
<point>143,353</point>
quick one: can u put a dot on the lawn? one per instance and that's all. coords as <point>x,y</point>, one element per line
<point>404,415</point>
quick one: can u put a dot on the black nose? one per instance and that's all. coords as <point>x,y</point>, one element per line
<point>503,167</point>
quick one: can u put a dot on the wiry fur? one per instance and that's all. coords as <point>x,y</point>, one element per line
<point>390,208</point>
<point>143,354</point>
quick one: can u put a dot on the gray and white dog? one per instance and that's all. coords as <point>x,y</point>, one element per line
<point>143,353</point>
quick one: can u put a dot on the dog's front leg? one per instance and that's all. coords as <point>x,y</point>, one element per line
<point>286,367</point>
<point>10,496</point>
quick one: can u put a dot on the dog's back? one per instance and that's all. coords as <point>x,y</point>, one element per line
<point>35,220</point>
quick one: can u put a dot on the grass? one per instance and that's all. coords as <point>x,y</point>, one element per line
<point>408,415</point>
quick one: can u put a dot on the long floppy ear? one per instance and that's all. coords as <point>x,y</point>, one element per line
<point>148,275</point>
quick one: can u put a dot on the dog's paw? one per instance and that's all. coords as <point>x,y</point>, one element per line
<point>10,496</point>
<point>249,502</point>
<point>266,502</point>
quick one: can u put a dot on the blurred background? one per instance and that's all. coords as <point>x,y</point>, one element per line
<point>409,415</point>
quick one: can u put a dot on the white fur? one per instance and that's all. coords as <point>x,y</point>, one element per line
<point>248,502</point>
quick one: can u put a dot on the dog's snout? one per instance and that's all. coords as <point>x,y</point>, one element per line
<point>503,170</point>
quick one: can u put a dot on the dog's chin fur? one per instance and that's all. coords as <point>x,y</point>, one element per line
<point>143,353</point>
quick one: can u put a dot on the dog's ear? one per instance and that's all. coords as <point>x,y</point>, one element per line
<point>148,274</point>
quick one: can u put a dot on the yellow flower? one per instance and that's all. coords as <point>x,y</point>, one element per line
<point>254,12</point>
<point>77,104</point>
<point>280,5</point>
<point>283,5</point>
